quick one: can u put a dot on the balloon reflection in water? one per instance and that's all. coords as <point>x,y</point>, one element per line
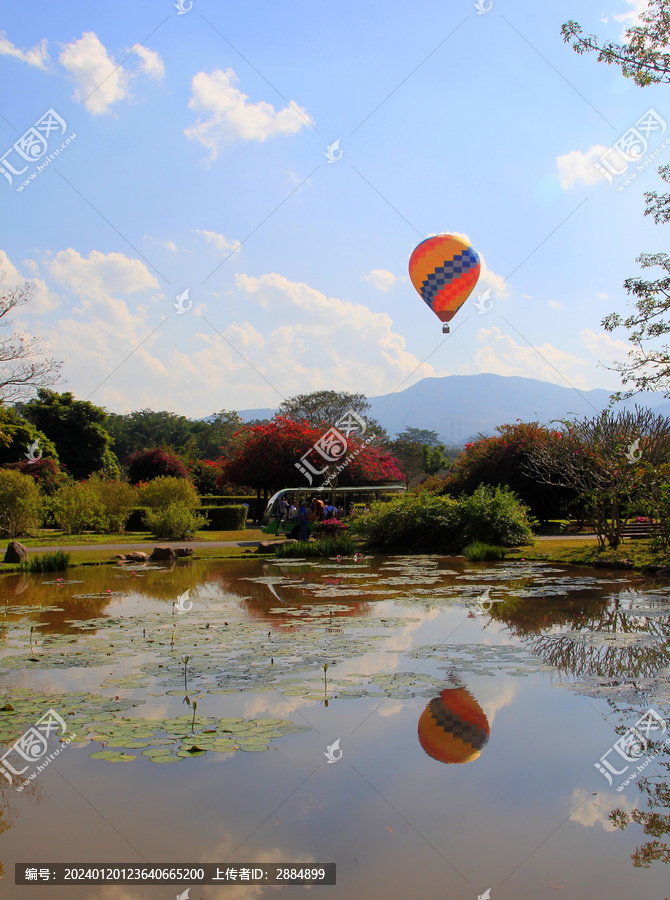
<point>453,727</point>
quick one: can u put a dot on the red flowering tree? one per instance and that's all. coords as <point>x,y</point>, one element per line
<point>265,457</point>
<point>503,459</point>
<point>145,465</point>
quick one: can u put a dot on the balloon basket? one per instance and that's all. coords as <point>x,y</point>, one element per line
<point>445,329</point>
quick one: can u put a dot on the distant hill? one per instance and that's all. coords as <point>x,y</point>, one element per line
<point>458,407</point>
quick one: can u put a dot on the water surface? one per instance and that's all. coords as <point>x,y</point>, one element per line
<point>468,735</point>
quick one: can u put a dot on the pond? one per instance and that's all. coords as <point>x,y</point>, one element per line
<point>433,727</point>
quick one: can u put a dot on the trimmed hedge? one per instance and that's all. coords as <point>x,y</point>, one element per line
<point>216,500</point>
<point>219,518</point>
<point>225,518</point>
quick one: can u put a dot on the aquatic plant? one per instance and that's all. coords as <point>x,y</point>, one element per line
<point>332,546</point>
<point>478,551</point>
<point>48,562</point>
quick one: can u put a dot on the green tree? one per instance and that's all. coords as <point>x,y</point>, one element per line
<point>77,429</point>
<point>146,429</point>
<point>20,504</point>
<point>322,407</point>
<point>419,436</point>
<point>18,435</point>
<point>642,56</point>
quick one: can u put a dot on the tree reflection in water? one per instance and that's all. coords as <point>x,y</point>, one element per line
<point>598,637</point>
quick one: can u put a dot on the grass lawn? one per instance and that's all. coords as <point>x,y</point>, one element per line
<point>49,537</point>
<point>586,552</point>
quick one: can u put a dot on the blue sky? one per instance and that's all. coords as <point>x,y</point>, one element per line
<point>200,163</point>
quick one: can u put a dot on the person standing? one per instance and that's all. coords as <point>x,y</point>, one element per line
<point>303,526</point>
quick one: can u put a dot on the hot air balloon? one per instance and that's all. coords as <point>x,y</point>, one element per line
<point>453,727</point>
<point>444,270</point>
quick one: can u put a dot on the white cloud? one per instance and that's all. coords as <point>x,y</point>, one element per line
<point>577,167</point>
<point>219,241</point>
<point>384,280</point>
<point>331,341</point>
<point>101,274</point>
<point>555,304</point>
<point>37,56</point>
<point>602,296</point>
<point>596,811</point>
<point>603,345</point>
<point>502,355</point>
<point>99,81</point>
<point>170,245</point>
<point>632,16</point>
<point>150,62</point>
<point>229,115</point>
<point>43,300</point>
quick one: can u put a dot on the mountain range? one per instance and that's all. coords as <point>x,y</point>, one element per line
<point>458,407</point>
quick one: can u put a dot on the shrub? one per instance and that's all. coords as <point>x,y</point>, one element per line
<point>165,491</point>
<point>430,523</point>
<point>477,551</point>
<point>173,522</point>
<point>50,562</point>
<point>20,504</point>
<point>77,507</point>
<point>342,545</point>
<point>494,515</point>
<point>116,499</point>
<point>225,518</point>
<point>147,465</point>
<point>46,473</point>
<point>414,522</point>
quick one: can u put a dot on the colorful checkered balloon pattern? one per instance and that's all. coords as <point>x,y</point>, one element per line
<point>444,270</point>
<point>453,727</point>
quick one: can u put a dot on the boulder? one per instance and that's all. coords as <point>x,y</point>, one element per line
<point>184,551</point>
<point>162,554</point>
<point>15,553</point>
<point>137,556</point>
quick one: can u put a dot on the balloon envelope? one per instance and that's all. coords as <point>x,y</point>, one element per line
<point>444,270</point>
<point>453,727</point>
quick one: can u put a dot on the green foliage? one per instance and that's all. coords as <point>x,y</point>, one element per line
<point>225,518</point>
<point>342,545</point>
<point>20,504</point>
<point>76,427</point>
<point>643,56</point>
<point>416,522</point>
<point>165,491</point>
<point>173,522</point>
<point>117,499</point>
<point>478,551</point>
<point>17,435</point>
<point>322,407</point>
<point>494,515</point>
<point>48,562</point>
<point>77,507</point>
<point>419,436</point>
<point>428,523</point>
